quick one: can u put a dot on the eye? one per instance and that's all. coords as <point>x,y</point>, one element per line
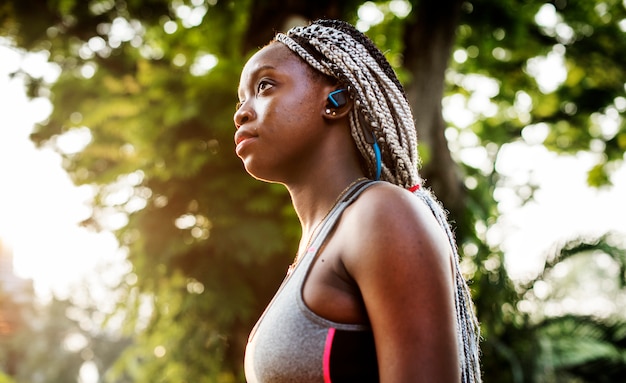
<point>263,86</point>
<point>238,104</point>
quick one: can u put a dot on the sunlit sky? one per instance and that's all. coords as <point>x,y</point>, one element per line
<point>40,208</point>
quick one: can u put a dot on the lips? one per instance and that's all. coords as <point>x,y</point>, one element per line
<point>242,137</point>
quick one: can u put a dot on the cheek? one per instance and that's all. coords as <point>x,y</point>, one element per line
<point>289,114</point>
<point>304,109</point>
<point>296,108</point>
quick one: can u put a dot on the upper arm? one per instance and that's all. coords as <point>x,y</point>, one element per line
<point>401,262</point>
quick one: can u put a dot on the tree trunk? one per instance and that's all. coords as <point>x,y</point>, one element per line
<point>429,38</point>
<point>270,16</point>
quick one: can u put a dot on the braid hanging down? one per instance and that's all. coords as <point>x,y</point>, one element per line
<point>337,49</point>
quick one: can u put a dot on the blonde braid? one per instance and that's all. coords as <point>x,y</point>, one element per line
<point>338,50</point>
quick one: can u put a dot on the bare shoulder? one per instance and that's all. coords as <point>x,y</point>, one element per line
<point>389,232</point>
<point>387,216</point>
<point>401,260</point>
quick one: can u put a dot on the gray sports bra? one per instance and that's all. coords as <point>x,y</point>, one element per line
<point>290,343</point>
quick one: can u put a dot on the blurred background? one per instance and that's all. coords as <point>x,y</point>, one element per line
<point>135,248</point>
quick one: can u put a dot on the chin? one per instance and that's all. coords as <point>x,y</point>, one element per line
<point>258,173</point>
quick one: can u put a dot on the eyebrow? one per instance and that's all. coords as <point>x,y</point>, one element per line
<point>261,69</point>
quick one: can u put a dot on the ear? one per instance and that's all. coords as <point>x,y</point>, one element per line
<point>338,104</point>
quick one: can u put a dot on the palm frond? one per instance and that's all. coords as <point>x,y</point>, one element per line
<point>608,244</point>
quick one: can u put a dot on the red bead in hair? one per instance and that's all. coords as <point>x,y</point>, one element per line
<point>414,188</point>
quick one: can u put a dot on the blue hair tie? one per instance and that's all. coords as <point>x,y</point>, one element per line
<point>378,160</point>
<point>370,138</point>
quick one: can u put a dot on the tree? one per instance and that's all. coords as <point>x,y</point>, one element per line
<point>44,344</point>
<point>152,84</point>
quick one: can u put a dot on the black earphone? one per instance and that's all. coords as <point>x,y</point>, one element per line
<point>338,98</point>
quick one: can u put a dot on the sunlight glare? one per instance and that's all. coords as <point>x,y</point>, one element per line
<point>122,30</point>
<point>551,23</point>
<point>203,64</point>
<point>547,17</point>
<point>191,16</point>
<point>88,373</point>
<point>369,15</point>
<point>562,200</point>
<point>40,208</point>
<point>10,58</point>
<point>170,27</point>
<point>88,70</point>
<point>535,133</point>
<point>73,141</point>
<point>549,71</point>
<point>400,8</point>
<point>456,111</point>
<point>460,56</point>
<point>607,124</point>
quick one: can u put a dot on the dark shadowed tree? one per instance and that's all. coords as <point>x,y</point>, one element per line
<point>152,84</point>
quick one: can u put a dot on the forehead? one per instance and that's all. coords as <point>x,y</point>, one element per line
<point>273,56</point>
<point>274,51</point>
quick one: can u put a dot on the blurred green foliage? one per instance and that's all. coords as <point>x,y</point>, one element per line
<point>154,81</point>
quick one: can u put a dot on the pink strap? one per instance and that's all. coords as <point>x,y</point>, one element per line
<point>327,349</point>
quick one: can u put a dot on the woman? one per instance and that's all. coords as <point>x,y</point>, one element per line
<point>375,293</point>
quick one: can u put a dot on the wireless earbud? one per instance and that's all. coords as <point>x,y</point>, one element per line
<point>338,98</point>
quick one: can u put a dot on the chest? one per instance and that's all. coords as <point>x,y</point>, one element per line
<point>292,343</point>
<point>329,290</point>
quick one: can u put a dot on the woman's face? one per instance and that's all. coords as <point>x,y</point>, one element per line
<point>280,119</point>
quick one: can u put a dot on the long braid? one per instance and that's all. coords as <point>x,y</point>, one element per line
<point>337,54</point>
<point>339,50</point>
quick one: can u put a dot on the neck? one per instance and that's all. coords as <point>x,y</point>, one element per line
<point>313,200</point>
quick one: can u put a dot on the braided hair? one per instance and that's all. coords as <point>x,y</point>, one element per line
<point>382,118</point>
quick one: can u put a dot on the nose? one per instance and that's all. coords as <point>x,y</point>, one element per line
<point>243,114</point>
